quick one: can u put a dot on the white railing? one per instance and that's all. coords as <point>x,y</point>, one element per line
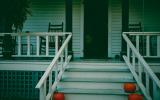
<point>28,44</point>
<point>150,86</point>
<point>58,68</point>
<point>147,43</point>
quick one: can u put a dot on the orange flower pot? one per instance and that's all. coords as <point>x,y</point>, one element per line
<point>58,96</point>
<point>129,87</point>
<point>135,97</point>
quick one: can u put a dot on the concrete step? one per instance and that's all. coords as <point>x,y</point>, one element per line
<point>69,96</point>
<point>98,77</point>
<point>90,85</point>
<point>97,68</point>
<point>92,91</point>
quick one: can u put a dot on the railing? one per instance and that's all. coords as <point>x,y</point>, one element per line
<point>147,43</point>
<point>144,76</point>
<point>46,79</point>
<point>28,44</point>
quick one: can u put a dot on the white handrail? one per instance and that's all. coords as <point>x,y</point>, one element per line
<point>42,82</point>
<point>52,64</point>
<point>142,62</point>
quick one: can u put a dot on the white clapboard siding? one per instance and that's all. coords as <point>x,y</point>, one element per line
<point>45,11</point>
<point>146,12</point>
<point>77,28</point>
<point>115,27</point>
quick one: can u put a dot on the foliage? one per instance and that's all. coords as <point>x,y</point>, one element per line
<point>14,13</point>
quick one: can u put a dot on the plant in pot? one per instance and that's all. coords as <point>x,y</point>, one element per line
<point>13,14</point>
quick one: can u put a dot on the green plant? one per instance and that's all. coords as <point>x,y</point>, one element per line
<point>13,13</point>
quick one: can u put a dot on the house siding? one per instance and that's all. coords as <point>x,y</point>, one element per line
<point>145,12</point>
<point>77,48</point>
<point>114,27</point>
<point>45,11</point>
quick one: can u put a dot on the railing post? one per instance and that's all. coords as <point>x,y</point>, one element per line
<point>147,46</point>
<point>19,44</point>
<point>37,47</point>
<point>42,95</point>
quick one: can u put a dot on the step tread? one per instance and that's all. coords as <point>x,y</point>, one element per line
<point>90,85</point>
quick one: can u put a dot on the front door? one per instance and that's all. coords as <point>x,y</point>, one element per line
<point>95,29</point>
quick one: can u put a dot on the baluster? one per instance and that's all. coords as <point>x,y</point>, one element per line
<point>158,46</point>
<point>147,82</point>
<point>50,82</point>
<point>66,52</point>
<point>56,44</point>
<point>137,42</point>
<point>128,52</point>
<point>47,45</point>
<point>37,48</point>
<point>28,44</point>
<point>140,71</point>
<point>147,46</point>
<point>133,60</point>
<point>19,44</point>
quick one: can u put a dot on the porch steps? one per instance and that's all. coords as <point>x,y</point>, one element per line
<point>95,81</point>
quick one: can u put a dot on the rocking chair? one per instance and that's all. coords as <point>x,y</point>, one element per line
<point>51,28</point>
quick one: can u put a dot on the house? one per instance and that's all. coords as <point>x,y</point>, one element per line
<point>96,28</point>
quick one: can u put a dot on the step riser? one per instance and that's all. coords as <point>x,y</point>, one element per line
<point>94,97</point>
<point>89,85</point>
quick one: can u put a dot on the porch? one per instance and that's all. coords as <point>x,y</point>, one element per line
<point>28,72</point>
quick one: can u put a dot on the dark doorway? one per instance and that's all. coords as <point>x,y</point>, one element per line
<point>95,29</point>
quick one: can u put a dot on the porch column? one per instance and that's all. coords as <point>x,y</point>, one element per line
<point>68,25</point>
<point>125,22</point>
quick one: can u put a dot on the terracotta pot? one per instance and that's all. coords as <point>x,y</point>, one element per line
<point>58,96</point>
<point>129,87</point>
<point>135,97</point>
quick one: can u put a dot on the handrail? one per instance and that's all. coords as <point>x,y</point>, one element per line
<point>141,60</point>
<point>41,85</point>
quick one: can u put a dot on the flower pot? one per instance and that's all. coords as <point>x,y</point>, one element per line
<point>129,87</point>
<point>58,96</point>
<point>135,97</point>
